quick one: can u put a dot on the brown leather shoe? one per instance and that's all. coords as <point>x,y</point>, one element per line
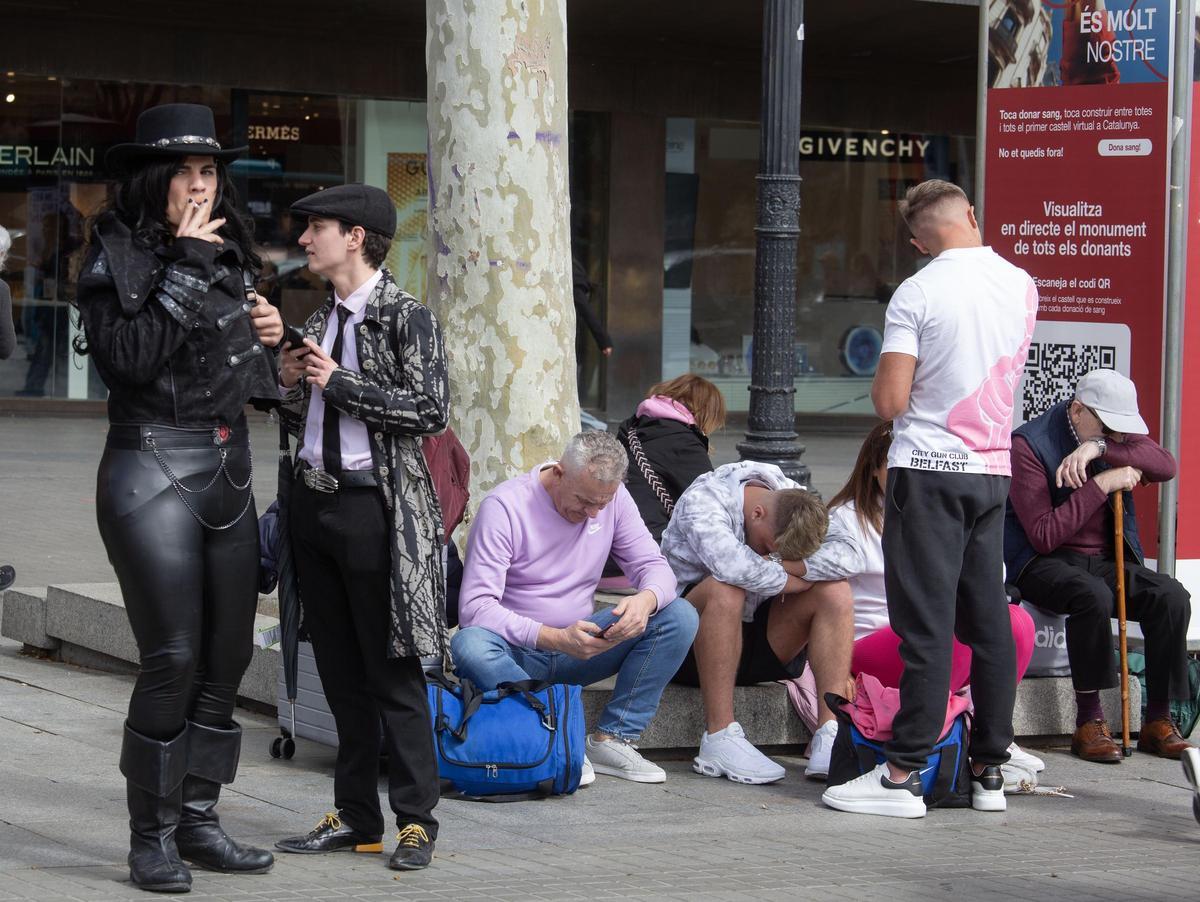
<point>1094,742</point>
<point>1161,737</point>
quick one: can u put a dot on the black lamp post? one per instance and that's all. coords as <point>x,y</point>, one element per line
<point>771,429</point>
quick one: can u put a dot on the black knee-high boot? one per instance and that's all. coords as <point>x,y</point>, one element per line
<point>154,773</point>
<point>212,760</point>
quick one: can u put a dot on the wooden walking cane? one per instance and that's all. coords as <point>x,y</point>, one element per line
<point>1119,544</point>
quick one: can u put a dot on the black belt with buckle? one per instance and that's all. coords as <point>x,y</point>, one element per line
<point>320,481</point>
<point>150,436</point>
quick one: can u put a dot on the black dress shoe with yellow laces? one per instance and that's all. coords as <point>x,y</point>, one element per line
<point>415,849</point>
<point>331,835</point>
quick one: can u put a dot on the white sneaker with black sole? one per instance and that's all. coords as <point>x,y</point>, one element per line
<point>820,749</point>
<point>987,789</point>
<point>875,793</point>
<point>618,758</point>
<point>728,753</point>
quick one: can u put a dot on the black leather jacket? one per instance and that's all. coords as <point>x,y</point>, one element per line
<point>170,330</point>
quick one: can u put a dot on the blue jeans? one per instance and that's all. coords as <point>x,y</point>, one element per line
<point>643,665</point>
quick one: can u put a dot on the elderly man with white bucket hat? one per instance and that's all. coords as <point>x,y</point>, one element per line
<point>1059,550</point>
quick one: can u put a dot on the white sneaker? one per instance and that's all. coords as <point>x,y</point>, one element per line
<point>1022,758</point>
<point>618,758</point>
<point>1191,769</point>
<point>987,790</point>
<point>728,753</point>
<point>588,775</point>
<point>875,793</point>
<point>1021,770</point>
<point>820,747</point>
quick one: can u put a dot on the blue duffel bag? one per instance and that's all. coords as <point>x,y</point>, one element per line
<point>522,739</point>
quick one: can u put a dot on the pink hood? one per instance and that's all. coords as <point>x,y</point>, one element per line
<point>665,408</point>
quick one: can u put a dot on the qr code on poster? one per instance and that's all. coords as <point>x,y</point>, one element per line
<point>1053,368</point>
<point>1059,354</point>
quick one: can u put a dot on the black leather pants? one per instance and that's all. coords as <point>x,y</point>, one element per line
<point>190,591</point>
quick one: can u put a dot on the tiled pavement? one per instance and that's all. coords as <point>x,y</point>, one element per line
<point>1127,834</point>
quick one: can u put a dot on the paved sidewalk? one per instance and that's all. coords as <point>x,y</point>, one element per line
<point>1128,834</point>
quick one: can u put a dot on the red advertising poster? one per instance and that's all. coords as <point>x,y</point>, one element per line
<point>1075,190</point>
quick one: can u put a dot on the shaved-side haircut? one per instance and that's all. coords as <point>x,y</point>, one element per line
<point>923,200</point>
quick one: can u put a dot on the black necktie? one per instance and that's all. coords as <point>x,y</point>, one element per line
<point>331,432</point>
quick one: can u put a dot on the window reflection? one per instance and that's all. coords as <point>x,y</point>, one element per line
<point>852,254</point>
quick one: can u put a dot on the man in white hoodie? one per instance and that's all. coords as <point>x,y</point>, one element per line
<point>737,541</point>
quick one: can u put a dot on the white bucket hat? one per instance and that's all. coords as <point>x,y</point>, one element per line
<point>1113,397</point>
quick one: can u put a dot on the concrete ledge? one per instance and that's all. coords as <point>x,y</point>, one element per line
<point>91,615</point>
<point>89,621</point>
<point>764,712</point>
<point>79,619</point>
<point>1046,707</point>
<point>23,618</point>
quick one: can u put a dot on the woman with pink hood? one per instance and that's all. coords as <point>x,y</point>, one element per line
<point>667,443</point>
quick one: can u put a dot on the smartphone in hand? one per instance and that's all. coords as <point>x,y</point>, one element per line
<point>294,336</point>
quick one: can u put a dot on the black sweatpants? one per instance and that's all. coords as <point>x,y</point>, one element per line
<point>1084,588</point>
<point>943,572</point>
<point>343,562</point>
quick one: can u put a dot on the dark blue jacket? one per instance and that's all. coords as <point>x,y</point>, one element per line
<point>1051,439</point>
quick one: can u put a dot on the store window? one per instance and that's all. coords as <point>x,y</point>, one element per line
<point>53,137</point>
<point>853,252</point>
<point>297,146</point>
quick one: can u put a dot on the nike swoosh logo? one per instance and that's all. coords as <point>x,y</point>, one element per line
<point>593,529</point>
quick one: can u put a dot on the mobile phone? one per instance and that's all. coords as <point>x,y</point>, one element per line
<point>603,634</point>
<point>294,336</point>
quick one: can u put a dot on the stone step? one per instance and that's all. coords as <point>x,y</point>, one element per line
<point>86,624</point>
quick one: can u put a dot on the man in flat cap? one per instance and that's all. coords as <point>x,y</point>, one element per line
<point>1059,550</point>
<point>368,383</point>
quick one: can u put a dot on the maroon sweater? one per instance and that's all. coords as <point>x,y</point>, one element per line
<point>1081,523</point>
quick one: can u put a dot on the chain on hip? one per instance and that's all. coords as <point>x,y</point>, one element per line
<point>183,491</point>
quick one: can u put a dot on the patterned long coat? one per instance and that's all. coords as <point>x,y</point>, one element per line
<point>402,393</point>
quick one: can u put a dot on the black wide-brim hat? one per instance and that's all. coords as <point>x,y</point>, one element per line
<point>172,130</point>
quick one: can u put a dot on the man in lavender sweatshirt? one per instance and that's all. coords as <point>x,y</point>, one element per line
<point>534,559</point>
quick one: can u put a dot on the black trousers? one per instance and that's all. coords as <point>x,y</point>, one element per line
<point>190,592</point>
<point>1084,588</point>
<point>343,561</point>
<point>943,574</point>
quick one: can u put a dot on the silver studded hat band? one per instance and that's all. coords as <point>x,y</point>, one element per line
<point>171,129</point>
<point>186,139</point>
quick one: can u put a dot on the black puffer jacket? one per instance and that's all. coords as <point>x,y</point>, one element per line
<point>170,330</point>
<point>678,453</point>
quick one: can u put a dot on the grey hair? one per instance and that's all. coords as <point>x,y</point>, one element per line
<point>599,454</point>
<point>5,246</point>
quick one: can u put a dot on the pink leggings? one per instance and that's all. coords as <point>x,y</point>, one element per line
<point>879,653</point>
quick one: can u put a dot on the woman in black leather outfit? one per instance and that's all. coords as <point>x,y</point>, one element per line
<point>182,346</point>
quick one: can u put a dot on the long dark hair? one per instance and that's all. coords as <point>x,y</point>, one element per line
<point>862,488</point>
<point>140,202</point>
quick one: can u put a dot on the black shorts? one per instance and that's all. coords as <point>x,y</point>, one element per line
<point>758,663</point>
